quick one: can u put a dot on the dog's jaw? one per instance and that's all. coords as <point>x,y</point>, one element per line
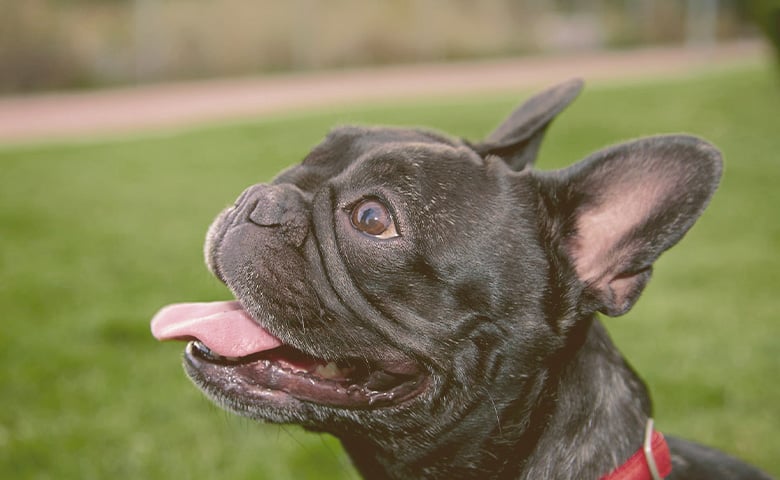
<point>231,352</point>
<point>283,378</point>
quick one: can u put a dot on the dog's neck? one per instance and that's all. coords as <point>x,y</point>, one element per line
<point>601,410</point>
<point>591,414</point>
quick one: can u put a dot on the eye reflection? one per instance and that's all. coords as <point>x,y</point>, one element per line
<point>373,218</point>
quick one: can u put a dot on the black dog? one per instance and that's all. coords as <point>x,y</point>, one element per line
<point>432,302</point>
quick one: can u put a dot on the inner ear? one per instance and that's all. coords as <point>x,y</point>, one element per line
<point>624,206</point>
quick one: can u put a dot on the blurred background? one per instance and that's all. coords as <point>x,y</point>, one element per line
<point>56,44</point>
<point>127,125</point>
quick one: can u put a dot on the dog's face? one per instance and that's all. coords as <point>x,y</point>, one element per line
<point>378,268</point>
<point>402,282</point>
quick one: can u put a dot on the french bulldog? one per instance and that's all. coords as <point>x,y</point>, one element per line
<point>432,302</point>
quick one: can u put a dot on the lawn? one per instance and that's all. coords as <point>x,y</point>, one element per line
<point>96,236</point>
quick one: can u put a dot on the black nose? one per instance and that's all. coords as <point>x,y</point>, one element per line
<point>280,206</point>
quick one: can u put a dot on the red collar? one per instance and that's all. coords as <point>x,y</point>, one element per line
<point>654,455</point>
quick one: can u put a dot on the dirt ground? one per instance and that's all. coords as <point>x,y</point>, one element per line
<point>58,116</point>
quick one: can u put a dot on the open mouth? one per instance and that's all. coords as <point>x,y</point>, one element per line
<point>231,355</point>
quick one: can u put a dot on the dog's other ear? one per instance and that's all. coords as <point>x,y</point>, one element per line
<point>616,211</point>
<point>518,137</point>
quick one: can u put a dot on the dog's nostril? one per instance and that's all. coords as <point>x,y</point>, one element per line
<point>266,214</point>
<point>278,206</point>
<point>267,204</point>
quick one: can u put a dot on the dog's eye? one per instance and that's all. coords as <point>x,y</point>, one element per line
<point>372,218</point>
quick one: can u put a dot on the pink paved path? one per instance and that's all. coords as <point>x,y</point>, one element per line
<point>69,115</point>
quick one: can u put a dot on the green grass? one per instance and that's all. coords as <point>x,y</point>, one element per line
<point>95,237</point>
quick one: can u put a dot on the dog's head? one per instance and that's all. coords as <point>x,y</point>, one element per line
<point>398,280</point>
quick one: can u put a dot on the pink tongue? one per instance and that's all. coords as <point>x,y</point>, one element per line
<point>224,327</point>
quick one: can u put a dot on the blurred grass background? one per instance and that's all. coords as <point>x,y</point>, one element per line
<point>96,236</point>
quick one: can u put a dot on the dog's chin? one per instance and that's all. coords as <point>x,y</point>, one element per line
<point>280,384</point>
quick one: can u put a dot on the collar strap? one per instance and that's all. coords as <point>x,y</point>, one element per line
<point>651,462</point>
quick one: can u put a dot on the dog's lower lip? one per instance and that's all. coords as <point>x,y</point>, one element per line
<point>249,379</point>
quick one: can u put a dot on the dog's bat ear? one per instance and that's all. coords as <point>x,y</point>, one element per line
<point>616,211</point>
<point>518,137</point>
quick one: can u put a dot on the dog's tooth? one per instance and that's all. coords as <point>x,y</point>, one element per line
<point>331,370</point>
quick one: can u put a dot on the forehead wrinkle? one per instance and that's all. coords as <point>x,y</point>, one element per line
<point>407,163</point>
<point>418,154</point>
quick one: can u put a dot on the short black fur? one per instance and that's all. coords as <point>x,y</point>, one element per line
<point>488,290</point>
